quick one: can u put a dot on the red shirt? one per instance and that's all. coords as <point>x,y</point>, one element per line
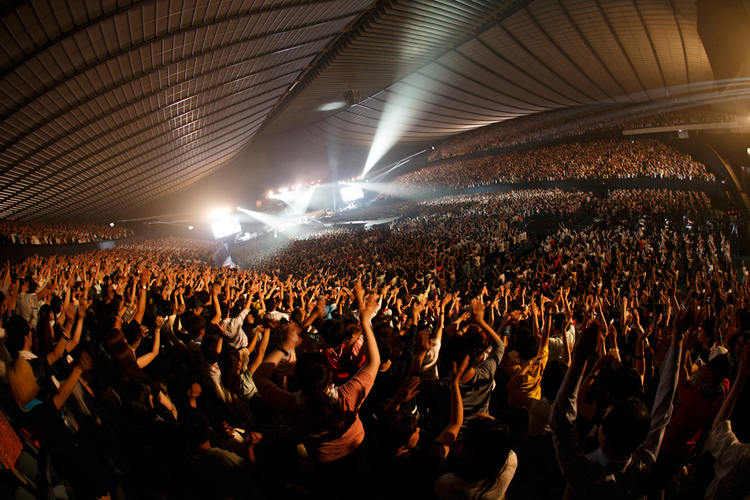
<point>686,425</point>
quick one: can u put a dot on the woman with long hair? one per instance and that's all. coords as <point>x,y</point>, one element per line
<point>325,415</point>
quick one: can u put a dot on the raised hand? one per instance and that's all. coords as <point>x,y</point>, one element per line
<point>195,391</point>
<point>253,438</point>
<point>477,306</point>
<point>408,389</point>
<point>457,371</point>
<point>587,342</point>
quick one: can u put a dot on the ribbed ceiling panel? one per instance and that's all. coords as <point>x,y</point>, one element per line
<point>110,108</point>
<point>549,54</point>
<point>398,38</point>
<point>124,103</point>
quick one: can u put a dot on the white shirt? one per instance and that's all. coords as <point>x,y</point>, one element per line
<point>732,461</point>
<point>233,327</point>
<point>28,306</point>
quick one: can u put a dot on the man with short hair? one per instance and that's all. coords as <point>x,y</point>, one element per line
<point>629,440</point>
<point>27,304</point>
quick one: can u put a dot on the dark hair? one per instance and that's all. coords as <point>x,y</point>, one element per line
<point>167,308</point>
<point>194,325</point>
<point>228,360</point>
<point>136,403</point>
<point>384,348</point>
<point>552,379</point>
<point>313,375</point>
<point>625,383</point>
<point>744,316</point>
<point>44,331</point>
<point>15,331</point>
<point>487,445</point>
<point>720,366</point>
<point>626,425</point>
<point>208,348</point>
<point>126,361</point>
<point>109,317</point>
<point>395,428</point>
<point>194,424</point>
<point>526,344</point>
<point>709,325</point>
<point>333,332</point>
<point>114,336</point>
<point>460,346</point>
<point>55,304</point>
<point>558,321</point>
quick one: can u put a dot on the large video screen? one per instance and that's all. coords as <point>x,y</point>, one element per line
<point>351,193</point>
<point>226,227</point>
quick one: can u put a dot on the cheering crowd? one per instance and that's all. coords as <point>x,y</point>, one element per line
<point>443,356</point>
<point>600,159</point>
<point>44,233</point>
<point>571,122</point>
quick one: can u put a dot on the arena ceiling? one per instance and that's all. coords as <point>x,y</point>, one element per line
<point>113,109</point>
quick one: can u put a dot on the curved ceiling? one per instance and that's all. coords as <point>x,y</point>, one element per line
<point>550,54</point>
<point>115,109</point>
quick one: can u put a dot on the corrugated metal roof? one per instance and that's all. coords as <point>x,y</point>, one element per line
<point>110,109</point>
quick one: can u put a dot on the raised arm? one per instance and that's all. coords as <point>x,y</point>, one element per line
<point>728,405</point>
<point>574,464</point>
<point>366,312</point>
<point>450,433</point>
<point>258,359</point>
<point>84,364</point>
<point>62,344</point>
<point>263,373</point>
<point>477,307</point>
<point>144,360</point>
<point>144,280</point>
<point>81,313</point>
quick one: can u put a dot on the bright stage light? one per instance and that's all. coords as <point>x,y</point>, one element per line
<point>226,227</point>
<point>399,114</point>
<point>351,193</point>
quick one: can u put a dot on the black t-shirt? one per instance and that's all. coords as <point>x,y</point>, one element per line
<point>413,474</point>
